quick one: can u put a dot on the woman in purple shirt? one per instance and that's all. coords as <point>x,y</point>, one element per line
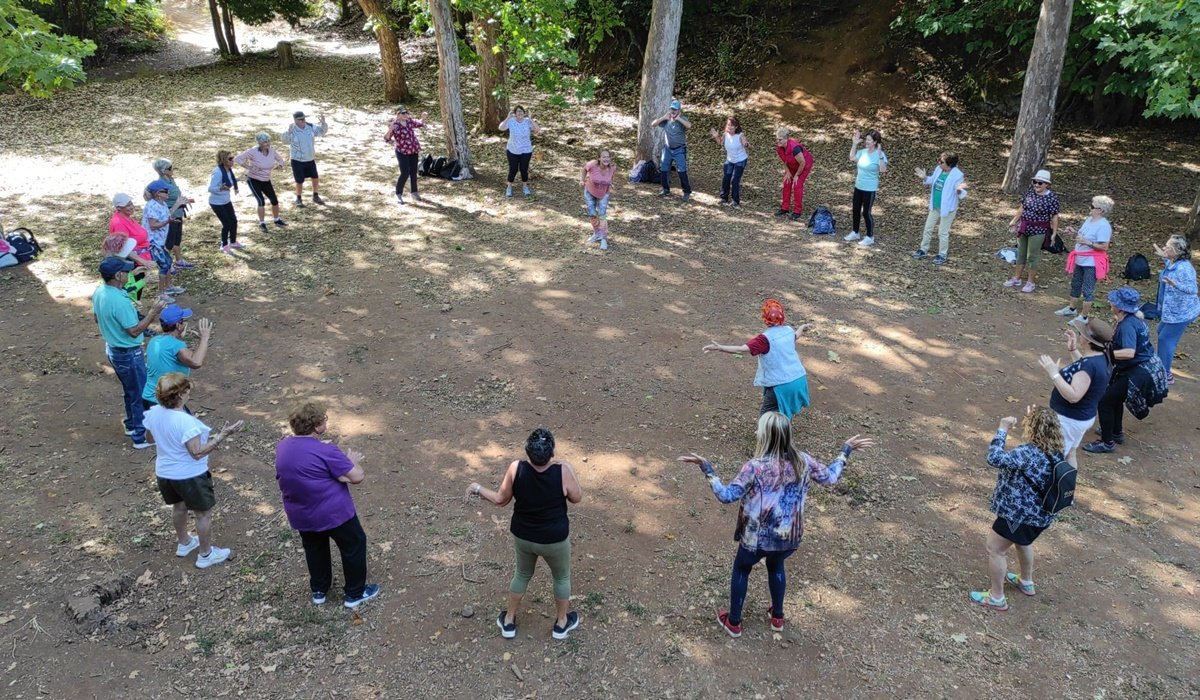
<point>314,478</point>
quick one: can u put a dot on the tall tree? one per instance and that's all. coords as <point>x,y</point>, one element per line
<point>658,72</point>
<point>214,13</point>
<point>253,12</point>
<point>1031,141</point>
<point>493,74</point>
<point>449,95</point>
<point>391,60</point>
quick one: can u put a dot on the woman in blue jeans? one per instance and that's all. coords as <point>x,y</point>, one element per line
<point>736,156</point>
<point>770,521</point>
<point>1177,301</point>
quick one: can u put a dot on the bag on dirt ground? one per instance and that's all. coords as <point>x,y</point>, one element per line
<point>450,170</point>
<point>822,223</point>
<point>25,246</point>
<point>1053,243</point>
<point>1137,268</point>
<point>1059,491</point>
<point>427,166</point>
<point>644,171</point>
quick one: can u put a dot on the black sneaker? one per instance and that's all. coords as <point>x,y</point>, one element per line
<point>781,212</point>
<point>300,202</point>
<point>687,196</point>
<point>317,199</point>
<point>262,225</point>
<point>919,254</point>
<point>1100,447</point>
<point>665,193</point>
<point>369,593</point>
<point>572,623</point>
<point>1118,438</point>
<point>508,631</point>
<point>796,217</point>
<point>318,598</point>
<point>280,223</point>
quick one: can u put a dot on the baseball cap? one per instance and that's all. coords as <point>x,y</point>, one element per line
<point>121,199</point>
<point>297,115</point>
<point>110,266</point>
<point>676,105</point>
<point>158,186</point>
<point>173,314</point>
<point>402,110</point>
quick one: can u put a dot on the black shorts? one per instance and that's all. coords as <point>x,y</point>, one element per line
<point>1023,535</point>
<point>196,492</point>
<point>174,233</point>
<point>304,169</point>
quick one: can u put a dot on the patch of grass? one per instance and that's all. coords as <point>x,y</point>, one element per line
<point>635,608</point>
<point>460,531</point>
<point>593,601</point>
<point>571,646</point>
<point>629,527</point>
<point>206,641</point>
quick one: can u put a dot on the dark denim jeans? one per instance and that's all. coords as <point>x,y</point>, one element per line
<point>678,156</point>
<point>130,366</point>
<point>731,181</point>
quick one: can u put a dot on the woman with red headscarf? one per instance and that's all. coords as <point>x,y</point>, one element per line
<point>780,372</point>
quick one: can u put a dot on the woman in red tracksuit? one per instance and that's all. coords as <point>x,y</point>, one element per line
<point>798,163</point>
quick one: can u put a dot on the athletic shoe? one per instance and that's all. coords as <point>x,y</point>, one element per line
<point>399,199</point>
<point>280,223</point>
<point>984,598</point>
<point>687,197</point>
<point>1029,287</point>
<point>317,199</point>
<point>166,298</point>
<point>508,191</point>
<point>664,193</point>
<point>216,555</point>
<point>919,254</point>
<point>174,291</point>
<point>262,225</point>
<point>1013,282</point>
<point>416,197</point>
<point>130,433</point>
<point>227,250</point>
<point>735,205</point>
<point>776,622</point>
<point>1065,311</point>
<point>867,241</point>
<point>525,191</point>
<point>300,202</point>
<point>182,550</point>
<point>184,265</point>
<point>939,259</point>
<point>781,212</point>
<point>318,598</point>
<point>142,444</point>
<point>593,238</point>
<point>603,244</point>
<point>572,623</point>
<point>1170,379</point>
<point>1118,438</point>
<point>852,236</point>
<point>237,244</point>
<point>1026,587</point>
<point>796,217</point>
<point>1100,447</point>
<point>731,629</point>
<point>509,630</point>
<point>369,593</point>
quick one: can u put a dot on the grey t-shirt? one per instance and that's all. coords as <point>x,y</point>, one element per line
<point>675,133</point>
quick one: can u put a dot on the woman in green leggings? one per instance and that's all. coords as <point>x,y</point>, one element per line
<point>539,489</point>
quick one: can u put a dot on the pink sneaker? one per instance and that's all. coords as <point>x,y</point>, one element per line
<point>226,250</point>
<point>1029,287</point>
<point>237,245</point>
<point>1013,282</point>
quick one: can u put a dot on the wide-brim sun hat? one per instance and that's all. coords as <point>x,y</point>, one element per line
<point>1094,330</point>
<point>1042,176</point>
<point>1126,299</point>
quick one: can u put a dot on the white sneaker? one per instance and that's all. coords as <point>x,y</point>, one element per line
<point>867,242</point>
<point>594,237</point>
<point>852,236</point>
<point>182,550</point>
<point>603,244</point>
<point>216,555</point>
<point>1065,311</point>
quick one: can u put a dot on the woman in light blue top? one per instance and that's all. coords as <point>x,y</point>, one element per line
<point>521,129</point>
<point>871,162</point>
<point>223,181</point>
<point>1177,300</point>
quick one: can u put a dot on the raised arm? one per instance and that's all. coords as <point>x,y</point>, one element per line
<point>854,141</point>
<point>725,494</point>
<point>504,494</point>
<point>197,449</point>
<point>1073,391</point>
<point>195,358</point>
<point>356,473</point>
<point>997,456</point>
<point>683,120</point>
<point>503,126</point>
<point>731,349</point>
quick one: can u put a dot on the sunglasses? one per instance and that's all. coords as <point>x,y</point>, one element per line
<point>1039,182</point>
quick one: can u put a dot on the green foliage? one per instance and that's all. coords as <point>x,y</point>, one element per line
<point>130,27</point>
<point>256,12</point>
<point>33,57</point>
<point>1144,49</point>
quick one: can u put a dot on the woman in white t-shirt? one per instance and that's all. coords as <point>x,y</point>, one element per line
<point>184,443</point>
<point>737,148</point>
<point>1089,261</point>
<point>521,129</point>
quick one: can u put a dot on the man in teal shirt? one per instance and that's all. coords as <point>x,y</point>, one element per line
<point>122,332</point>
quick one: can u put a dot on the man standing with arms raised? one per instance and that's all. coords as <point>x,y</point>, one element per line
<point>301,136</point>
<point>675,127</point>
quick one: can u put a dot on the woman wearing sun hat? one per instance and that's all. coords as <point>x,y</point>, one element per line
<point>1036,218</point>
<point>1079,386</point>
<point>780,372</point>
<point>1138,379</point>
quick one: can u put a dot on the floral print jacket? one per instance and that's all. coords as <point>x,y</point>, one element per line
<point>1015,498</point>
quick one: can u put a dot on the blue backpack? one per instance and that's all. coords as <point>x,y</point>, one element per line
<point>822,223</point>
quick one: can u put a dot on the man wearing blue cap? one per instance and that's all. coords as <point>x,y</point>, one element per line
<point>674,126</point>
<point>117,318</point>
<point>167,353</point>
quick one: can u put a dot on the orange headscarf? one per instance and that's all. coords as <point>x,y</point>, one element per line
<point>772,313</point>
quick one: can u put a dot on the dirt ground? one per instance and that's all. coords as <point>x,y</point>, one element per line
<point>440,334</point>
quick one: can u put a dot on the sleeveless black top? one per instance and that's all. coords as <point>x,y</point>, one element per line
<point>539,506</point>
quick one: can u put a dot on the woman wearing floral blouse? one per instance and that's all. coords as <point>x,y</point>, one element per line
<point>403,135</point>
<point>1036,218</point>
<point>1020,518</point>
<point>1177,301</point>
<point>770,523</point>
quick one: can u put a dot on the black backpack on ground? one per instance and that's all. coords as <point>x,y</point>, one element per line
<point>645,171</point>
<point>25,246</point>
<point>450,169</point>
<point>1059,492</point>
<point>427,166</point>
<point>1137,268</point>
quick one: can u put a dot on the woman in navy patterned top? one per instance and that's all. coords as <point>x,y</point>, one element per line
<point>1016,501</point>
<point>1036,218</point>
<point>771,518</point>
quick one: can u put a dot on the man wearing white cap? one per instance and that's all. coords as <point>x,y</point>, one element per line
<point>301,136</point>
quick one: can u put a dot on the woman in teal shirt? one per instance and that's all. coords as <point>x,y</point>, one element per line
<point>167,353</point>
<point>871,162</point>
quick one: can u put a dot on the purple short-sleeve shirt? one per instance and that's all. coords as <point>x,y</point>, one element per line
<point>307,471</point>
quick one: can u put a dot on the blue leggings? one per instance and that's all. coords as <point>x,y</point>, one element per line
<point>740,579</point>
<point>1168,339</point>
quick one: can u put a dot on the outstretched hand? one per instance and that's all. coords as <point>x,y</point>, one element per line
<point>1049,364</point>
<point>804,328</point>
<point>920,172</point>
<point>1072,340</point>
<point>860,442</point>
<point>1007,423</point>
<point>231,428</point>
<point>693,458</point>
<point>713,346</point>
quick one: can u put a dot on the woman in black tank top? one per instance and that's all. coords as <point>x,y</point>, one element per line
<point>539,489</point>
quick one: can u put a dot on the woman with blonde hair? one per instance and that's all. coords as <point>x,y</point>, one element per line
<point>771,489</point>
<point>223,181</point>
<point>1025,472</point>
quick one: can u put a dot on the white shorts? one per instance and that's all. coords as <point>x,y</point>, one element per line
<point>1073,431</point>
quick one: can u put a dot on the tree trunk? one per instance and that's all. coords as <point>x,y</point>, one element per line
<point>230,35</point>
<point>493,77</point>
<point>218,32</point>
<point>1192,229</point>
<point>658,73</point>
<point>391,60</point>
<point>449,95</point>
<point>1031,141</point>
<point>287,59</point>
